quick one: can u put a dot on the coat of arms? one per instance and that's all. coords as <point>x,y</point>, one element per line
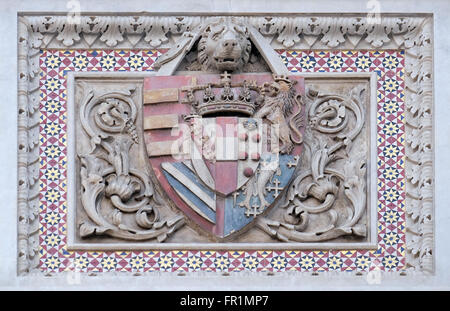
<point>210,155</point>
<point>226,145</point>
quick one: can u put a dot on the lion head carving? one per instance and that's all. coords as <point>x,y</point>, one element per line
<point>219,45</point>
<point>224,46</point>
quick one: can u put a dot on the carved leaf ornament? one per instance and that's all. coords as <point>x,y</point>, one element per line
<point>327,115</point>
<point>108,178</point>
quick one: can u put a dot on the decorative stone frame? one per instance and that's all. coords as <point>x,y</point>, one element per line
<point>74,244</point>
<point>413,33</point>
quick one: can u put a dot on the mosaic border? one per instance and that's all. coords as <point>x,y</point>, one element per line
<point>415,36</point>
<point>55,64</point>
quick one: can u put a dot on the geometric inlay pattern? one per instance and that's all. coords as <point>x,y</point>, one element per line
<point>390,255</point>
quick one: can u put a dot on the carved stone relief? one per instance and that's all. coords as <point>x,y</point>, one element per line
<point>319,193</point>
<point>115,192</point>
<point>224,45</point>
<point>120,201</point>
<point>329,196</point>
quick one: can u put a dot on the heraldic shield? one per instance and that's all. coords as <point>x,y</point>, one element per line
<point>223,147</point>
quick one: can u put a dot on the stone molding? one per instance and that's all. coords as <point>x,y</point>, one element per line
<point>283,233</point>
<point>413,33</point>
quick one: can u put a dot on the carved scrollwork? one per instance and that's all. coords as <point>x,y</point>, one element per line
<point>310,212</point>
<point>289,32</point>
<point>413,33</point>
<point>333,32</point>
<point>117,198</point>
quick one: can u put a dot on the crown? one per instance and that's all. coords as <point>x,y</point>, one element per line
<point>223,97</point>
<point>283,78</point>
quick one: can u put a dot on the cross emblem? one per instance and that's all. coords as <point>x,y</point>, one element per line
<point>253,212</point>
<point>275,188</point>
<point>269,163</point>
<point>293,163</point>
<point>225,77</point>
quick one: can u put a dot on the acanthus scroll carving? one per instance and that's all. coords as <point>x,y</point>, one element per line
<point>117,197</point>
<point>288,31</point>
<point>414,33</point>
<point>328,197</point>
